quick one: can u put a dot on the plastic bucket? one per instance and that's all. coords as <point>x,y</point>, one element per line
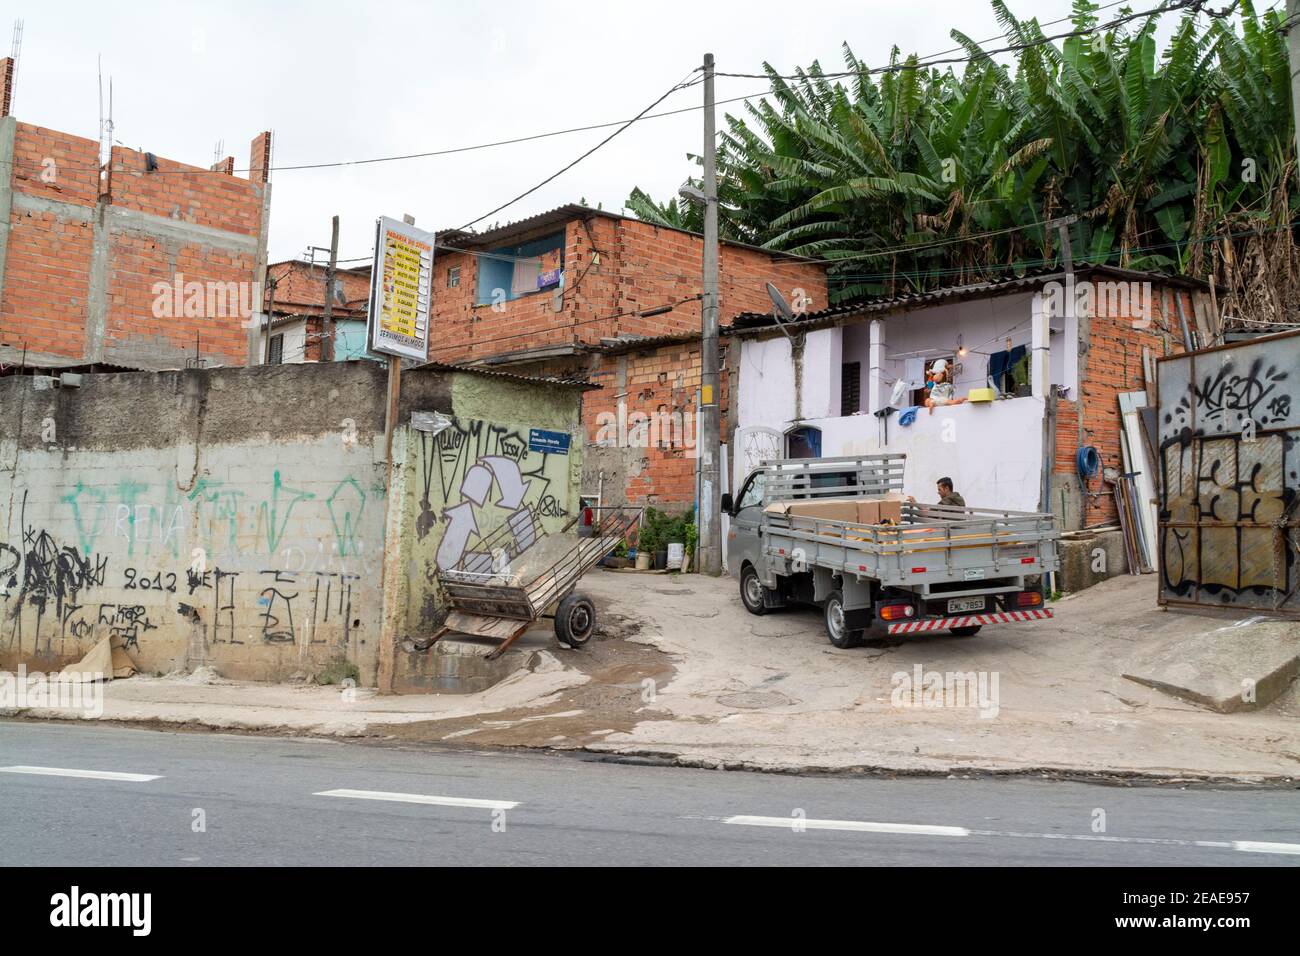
<point>676,552</point>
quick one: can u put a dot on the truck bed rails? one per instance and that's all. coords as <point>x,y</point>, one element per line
<point>933,544</point>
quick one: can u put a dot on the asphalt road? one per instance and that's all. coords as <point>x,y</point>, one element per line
<point>266,801</point>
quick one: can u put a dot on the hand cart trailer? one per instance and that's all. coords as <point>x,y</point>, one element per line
<point>520,574</point>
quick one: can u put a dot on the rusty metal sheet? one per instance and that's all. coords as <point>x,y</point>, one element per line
<point>1229,435</point>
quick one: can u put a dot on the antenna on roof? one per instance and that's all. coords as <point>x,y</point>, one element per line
<point>781,310</point>
<point>14,50</point>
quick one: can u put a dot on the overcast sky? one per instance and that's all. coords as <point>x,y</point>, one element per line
<point>348,81</point>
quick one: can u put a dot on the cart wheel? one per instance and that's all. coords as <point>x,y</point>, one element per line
<point>575,620</point>
<point>836,629</point>
<point>970,631</point>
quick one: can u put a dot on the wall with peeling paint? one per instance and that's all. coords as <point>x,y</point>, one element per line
<point>474,471</point>
<point>235,517</point>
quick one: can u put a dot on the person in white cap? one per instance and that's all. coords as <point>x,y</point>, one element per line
<point>942,390</point>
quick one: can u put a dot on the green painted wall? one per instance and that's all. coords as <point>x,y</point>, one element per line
<point>473,476</point>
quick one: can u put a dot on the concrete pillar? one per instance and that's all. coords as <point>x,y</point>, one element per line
<point>259,172</point>
<point>1040,362</point>
<point>876,392</point>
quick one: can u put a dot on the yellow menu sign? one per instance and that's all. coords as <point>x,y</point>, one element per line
<point>400,284</point>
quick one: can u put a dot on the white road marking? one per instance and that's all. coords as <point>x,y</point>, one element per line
<point>1256,846</point>
<point>920,829</point>
<point>420,798</point>
<point>794,823</point>
<point>88,774</point>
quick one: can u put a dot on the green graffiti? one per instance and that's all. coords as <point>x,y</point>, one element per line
<point>270,513</point>
<point>87,536</point>
<point>346,514</point>
<point>223,505</point>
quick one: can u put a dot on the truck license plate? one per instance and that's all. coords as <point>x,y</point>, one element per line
<point>958,605</point>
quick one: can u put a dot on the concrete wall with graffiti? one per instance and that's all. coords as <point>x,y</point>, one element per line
<point>236,517</point>
<point>231,517</point>
<point>1229,434</point>
<point>509,452</point>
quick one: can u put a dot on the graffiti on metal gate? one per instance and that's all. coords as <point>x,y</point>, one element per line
<point>1229,463</point>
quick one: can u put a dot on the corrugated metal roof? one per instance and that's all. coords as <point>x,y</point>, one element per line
<point>750,323</point>
<point>616,346</point>
<point>508,376</point>
<point>567,213</point>
<point>552,217</point>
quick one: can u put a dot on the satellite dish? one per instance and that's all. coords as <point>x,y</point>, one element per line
<point>781,310</point>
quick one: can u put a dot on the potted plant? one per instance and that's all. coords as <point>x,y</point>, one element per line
<point>649,539</point>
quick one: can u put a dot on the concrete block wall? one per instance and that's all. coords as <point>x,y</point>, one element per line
<point>230,517</point>
<point>82,253</point>
<point>236,517</point>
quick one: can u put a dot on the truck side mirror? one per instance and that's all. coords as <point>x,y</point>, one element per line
<point>727,503</point>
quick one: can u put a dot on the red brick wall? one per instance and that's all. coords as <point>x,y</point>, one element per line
<point>45,298</point>
<point>43,301</point>
<point>641,267</point>
<point>1113,364</point>
<point>660,381</point>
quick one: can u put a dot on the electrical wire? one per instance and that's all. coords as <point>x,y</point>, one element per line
<point>680,84</point>
<point>1169,7</point>
<point>931,60</point>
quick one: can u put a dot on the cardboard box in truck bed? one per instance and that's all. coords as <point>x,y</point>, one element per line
<point>874,510</point>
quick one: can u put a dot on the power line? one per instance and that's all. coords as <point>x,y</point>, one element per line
<point>1168,7</point>
<point>681,84</point>
<point>930,60</point>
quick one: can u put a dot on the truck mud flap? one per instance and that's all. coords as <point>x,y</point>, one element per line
<point>969,620</point>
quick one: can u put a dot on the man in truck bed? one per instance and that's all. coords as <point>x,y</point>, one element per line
<point>946,495</point>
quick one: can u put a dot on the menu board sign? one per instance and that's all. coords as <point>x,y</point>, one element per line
<point>400,290</point>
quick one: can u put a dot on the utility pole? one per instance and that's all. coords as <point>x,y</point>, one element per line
<point>327,323</point>
<point>710,420</point>
<point>1293,47</point>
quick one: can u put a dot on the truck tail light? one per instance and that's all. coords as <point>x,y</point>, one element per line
<point>894,612</point>
<point>1028,599</point>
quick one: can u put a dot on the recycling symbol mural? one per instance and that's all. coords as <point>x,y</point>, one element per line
<point>475,493</point>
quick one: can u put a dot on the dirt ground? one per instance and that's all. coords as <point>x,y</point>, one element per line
<point>683,672</point>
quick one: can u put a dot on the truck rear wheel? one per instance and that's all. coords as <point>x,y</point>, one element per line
<point>751,591</point>
<point>836,628</point>
<point>970,631</point>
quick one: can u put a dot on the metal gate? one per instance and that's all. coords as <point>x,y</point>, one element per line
<point>1229,434</point>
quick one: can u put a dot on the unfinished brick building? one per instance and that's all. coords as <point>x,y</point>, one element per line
<point>584,292</point>
<point>139,262</point>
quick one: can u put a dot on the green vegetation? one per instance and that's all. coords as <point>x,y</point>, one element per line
<point>337,671</point>
<point>1181,161</point>
<point>659,529</point>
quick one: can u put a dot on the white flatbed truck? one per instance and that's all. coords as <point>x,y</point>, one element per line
<point>837,533</point>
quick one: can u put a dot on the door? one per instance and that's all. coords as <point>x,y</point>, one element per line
<point>745,538</point>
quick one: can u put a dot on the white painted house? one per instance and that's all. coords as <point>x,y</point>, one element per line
<point>824,386</point>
